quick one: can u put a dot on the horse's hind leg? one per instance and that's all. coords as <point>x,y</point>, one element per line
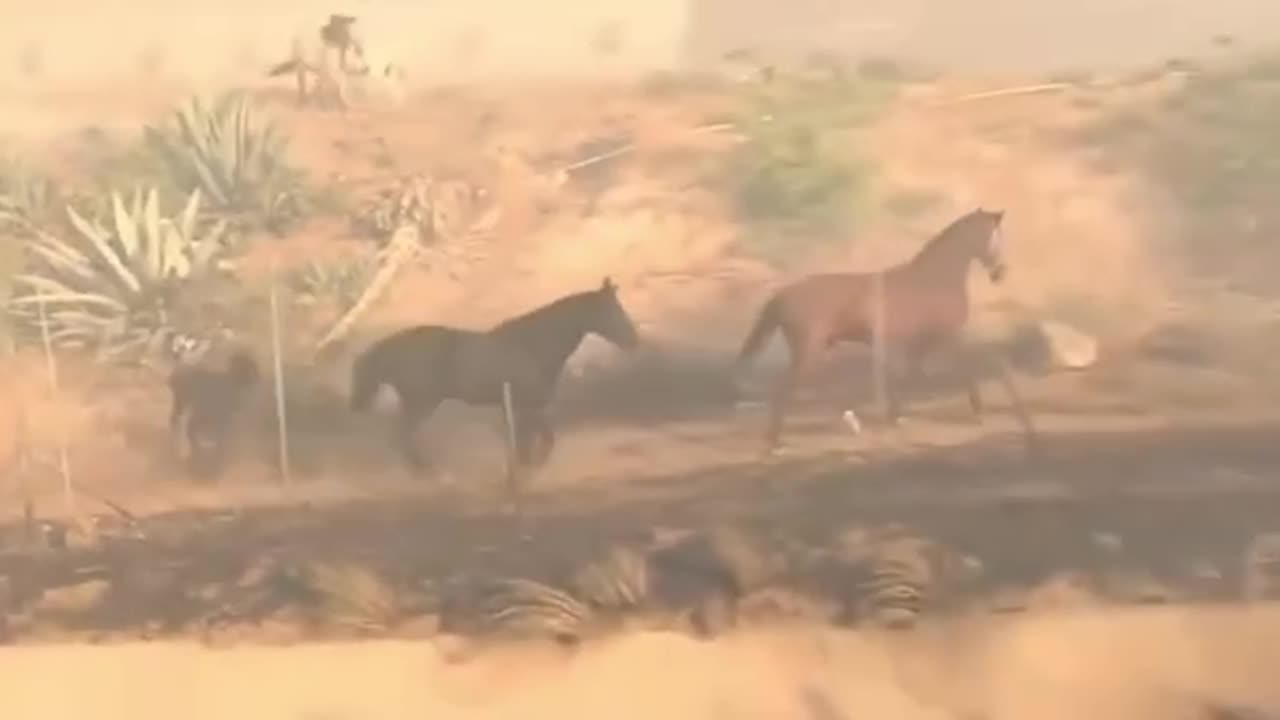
<point>544,438</point>
<point>803,357</point>
<point>413,411</point>
<point>1019,407</point>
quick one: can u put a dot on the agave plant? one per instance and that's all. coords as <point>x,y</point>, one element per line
<point>112,287</point>
<point>26,197</point>
<point>236,157</point>
<point>339,280</point>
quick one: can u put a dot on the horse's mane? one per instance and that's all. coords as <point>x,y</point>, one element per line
<point>534,316</point>
<point>953,231</point>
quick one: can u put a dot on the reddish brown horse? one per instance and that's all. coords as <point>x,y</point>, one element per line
<point>920,306</point>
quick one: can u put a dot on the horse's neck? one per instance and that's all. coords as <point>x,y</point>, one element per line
<point>552,343</point>
<point>939,263</point>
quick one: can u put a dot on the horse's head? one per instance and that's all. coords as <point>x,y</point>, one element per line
<point>610,320</point>
<point>991,237</point>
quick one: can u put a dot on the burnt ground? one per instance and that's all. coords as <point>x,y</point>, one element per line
<point>1174,507</point>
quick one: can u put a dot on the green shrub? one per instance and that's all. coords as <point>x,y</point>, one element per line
<point>235,157</point>
<point>112,284</point>
<point>795,174</point>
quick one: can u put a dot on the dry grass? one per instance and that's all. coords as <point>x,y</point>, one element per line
<point>354,597</point>
<point>619,582</point>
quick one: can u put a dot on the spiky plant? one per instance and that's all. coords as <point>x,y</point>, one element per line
<point>529,608</point>
<point>353,596</point>
<point>112,287</point>
<point>27,198</point>
<point>618,582</point>
<point>235,156</point>
<point>341,280</point>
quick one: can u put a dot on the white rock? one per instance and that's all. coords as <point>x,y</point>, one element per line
<point>1068,347</point>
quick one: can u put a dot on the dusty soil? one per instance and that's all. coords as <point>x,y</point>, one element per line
<point>1155,476</point>
<point>1159,664</point>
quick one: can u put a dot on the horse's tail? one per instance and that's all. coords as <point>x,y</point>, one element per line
<point>366,380</point>
<point>281,68</point>
<point>766,323</point>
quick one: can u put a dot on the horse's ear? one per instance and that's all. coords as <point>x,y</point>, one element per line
<point>997,215</point>
<point>607,285</point>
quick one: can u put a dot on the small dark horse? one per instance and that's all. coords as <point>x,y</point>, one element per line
<point>429,364</point>
<point>208,400</point>
<point>921,305</point>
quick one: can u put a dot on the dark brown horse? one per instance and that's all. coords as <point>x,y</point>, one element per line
<point>919,306</point>
<point>205,402</point>
<point>519,361</point>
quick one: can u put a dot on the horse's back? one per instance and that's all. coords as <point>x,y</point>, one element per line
<point>825,297</point>
<point>467,364</point>
<point>418,344</point>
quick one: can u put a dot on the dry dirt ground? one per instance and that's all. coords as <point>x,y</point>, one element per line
<point>1155,477</point>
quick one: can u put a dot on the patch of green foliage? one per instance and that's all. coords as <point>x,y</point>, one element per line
<point>797,175</point>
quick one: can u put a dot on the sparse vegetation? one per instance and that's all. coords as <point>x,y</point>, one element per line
<point>1211,143</point>
<point>341,281</point>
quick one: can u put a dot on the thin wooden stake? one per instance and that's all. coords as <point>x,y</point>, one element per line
<point>878,341</point>
<point>282,421</point>
<point>513,461</point>
<point>509,413</point>
<point>64,462</point>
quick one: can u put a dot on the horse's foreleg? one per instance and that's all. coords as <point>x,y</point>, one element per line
<point>546,444</point>
<point>1019,408</point>
<point>527,453</point>
<point>899,363</point>
<point>543,441</point>
<point>177,417</point>
<point>203,452</point>
<point>219,449</point>
<point>975,397</point>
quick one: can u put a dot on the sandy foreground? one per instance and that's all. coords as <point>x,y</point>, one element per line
<point>1150,663</point>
